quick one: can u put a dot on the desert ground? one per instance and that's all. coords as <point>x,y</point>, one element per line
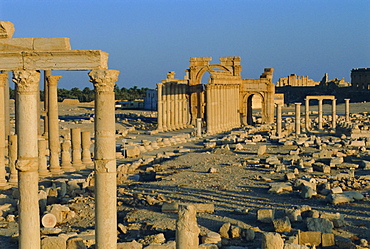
<point>235,182</point>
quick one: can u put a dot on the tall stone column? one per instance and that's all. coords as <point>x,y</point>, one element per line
<point>334,113</point>
<point>176,106</point>
<point>47,73</point>
<point>199,127</point>
<point>320,114</point>
<point>53,121</point>
<point>7,106</point>
<point>218,109</point>
<point>27,163</point>
<point>307,115</point>
<point>76,148</point>
<point>209,108</point>
<point>279,120</point>
<point>168,106</point>
<point>181,106</point>
<point>297,118</point>
<point>3,182</point>
<point>346,109</point>
<point>12,154</point>
<point>105,159</point>
<point>187,230</point>
<point>159,107</point>
<point>86,143</point>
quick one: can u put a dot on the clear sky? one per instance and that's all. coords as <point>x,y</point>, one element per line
<point>146,39</point>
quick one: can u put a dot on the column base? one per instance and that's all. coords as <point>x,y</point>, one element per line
<point>45,173</point>
<point>56,172</point>
<point>88,164</point>
<point>68,168</point>
<point>78,166</point>
<point>4,185</point>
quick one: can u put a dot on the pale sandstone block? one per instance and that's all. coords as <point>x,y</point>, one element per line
<point>272,241</point>
<point>53,243</point>
<point>310,237</point>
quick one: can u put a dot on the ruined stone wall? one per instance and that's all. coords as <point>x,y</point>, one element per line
<point>360,78</point>
<point>295,80</point>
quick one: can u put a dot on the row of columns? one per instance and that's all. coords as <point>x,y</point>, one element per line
<point>27,159</point>
<point>173,110</point>
<point>222,108</point>
<point>307,116</point>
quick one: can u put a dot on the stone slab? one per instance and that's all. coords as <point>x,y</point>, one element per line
<point>58,60</point>
<point>34,44</point>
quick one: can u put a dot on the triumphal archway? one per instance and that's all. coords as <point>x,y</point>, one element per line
<point>225,102</point>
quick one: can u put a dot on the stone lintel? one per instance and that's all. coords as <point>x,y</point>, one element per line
<point>77,60</point>
<point>34,44</point>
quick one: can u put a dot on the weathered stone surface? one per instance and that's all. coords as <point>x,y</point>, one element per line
<point>75,243</point>
<point>327,239</point>
<point>200,207</point>
<point>35,44</point>
<point>249,234</point>
<point>280,187</point>
<point>294,215</point>
<point>319,224</point>
<point>129,245</point>
<point>310,237</point>
<point>344,197</point>
<point>272,241</point>
<point>224,230</point>
<point>282,225</point>
<point>53,243</point>
<point>307,192</point>
<point>265,215</point>
<point>211,238</point>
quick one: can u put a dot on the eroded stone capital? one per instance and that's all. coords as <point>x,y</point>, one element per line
<point>104,80</point>
<point>53,80</point>
<point>3,79</point>
<point>27,81</point>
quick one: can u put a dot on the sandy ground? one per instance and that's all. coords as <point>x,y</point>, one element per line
<point>184,177</point>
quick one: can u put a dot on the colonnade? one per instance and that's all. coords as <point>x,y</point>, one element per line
<point>222,107</point>
<point>27,151</point>
<point>173,106</point>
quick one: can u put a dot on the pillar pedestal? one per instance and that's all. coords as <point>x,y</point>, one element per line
<point>187,230</point>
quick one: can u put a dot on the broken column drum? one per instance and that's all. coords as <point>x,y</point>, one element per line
<point>27,163</point>
<point>86,143</point>
<point>105,158</point>
<point>187,230</point>
<point>76,149</point>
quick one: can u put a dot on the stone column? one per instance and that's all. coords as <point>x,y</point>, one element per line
<point>159,107</point>
<point>86,143</point>
<point>320,114</point>
<point>76,148</point>
<point>47,73</point>
<point>166,123</point>
<point>181,105</point>
<point>43,167</point>
<point>297,118</point>
<point>346,110</point>
<point>334,113</point>
<point>3,182</point>
<point>105,159</point>
<point>66,156</point>
<point>307,115</point>
<point>7,107</point>
<point>176,106</point>
<point>209,108</point>
<point>187,230</point>
<point>217,109</point>
<point>12,154</point>
<point>279,120</point>
<point>199,127</point>
<point>172,109</point>
<point>27,163</point>
<point>53,122</point>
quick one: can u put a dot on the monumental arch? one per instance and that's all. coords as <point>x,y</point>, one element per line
<point>225,102</point>
<point>25,58</point>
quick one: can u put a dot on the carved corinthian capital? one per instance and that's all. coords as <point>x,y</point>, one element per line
<point>27,81</point>
<point>53,80</point>
<point>104,80</point>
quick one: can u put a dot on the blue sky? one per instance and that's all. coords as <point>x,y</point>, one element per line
<point>146,39</point>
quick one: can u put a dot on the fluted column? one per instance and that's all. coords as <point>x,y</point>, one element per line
<point>12,154</point>
<point>209,108</point>
<point>86,154</point>
<point>172,106</point>
<point>320,114</point>
<point>47,73</point>
<point>346,109</point>
<point>53,121</point>
<point>3,182</point>
<point>105,159</point>
<point>307,115</point>
<point>27,163</point>
<point>168,106</point>
<point>334,113</point>
<point>279,120</point>
<point>297,118</point>
<point>159,107</point>
<point>176,106</point>
<point>7,107</point>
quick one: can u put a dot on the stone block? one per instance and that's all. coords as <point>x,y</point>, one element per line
<point>261,150</point>
<point>272,241</point>
<point>320,167</point>
<point>319,224</point>
<point>265,215</point>
<point>129,245</point>
<point>211,238</point>
<point>280,187</point>
<point>208,246</point>
<point>224,230</point>
<point>235,232</point>
<point>282,225</point>
<point>132,152</point>
<point>294,215</point>
<point>75,243</point>
<point>249,234</point>
<point>7,29</point>
<point>310,237</point>
<point>344,197</point>
<point>307,192</point>
<point>53,243</point>
<point>327,240</point>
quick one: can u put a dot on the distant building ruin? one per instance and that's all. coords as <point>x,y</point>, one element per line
<point>360,78</point>
<point>295,80</point>
<point>222,104</point>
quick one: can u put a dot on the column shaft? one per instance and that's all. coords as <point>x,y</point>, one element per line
<point>27,163</point>
<point>187,230</point>
<point>307,115</point>
<point>334,113</point>
<point>346,110</point>
<point>86,154</point>
<point>297,118</point>
<point>279,120</point>
<point>3,79</point>
<point>53,123</point>
<point>76,148</point>
<point>12,154</point>
<point>320,114</point>
<point>47,73</point>
<point>105,159</point>
<point>159,107</point>
<point>7,107</point>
